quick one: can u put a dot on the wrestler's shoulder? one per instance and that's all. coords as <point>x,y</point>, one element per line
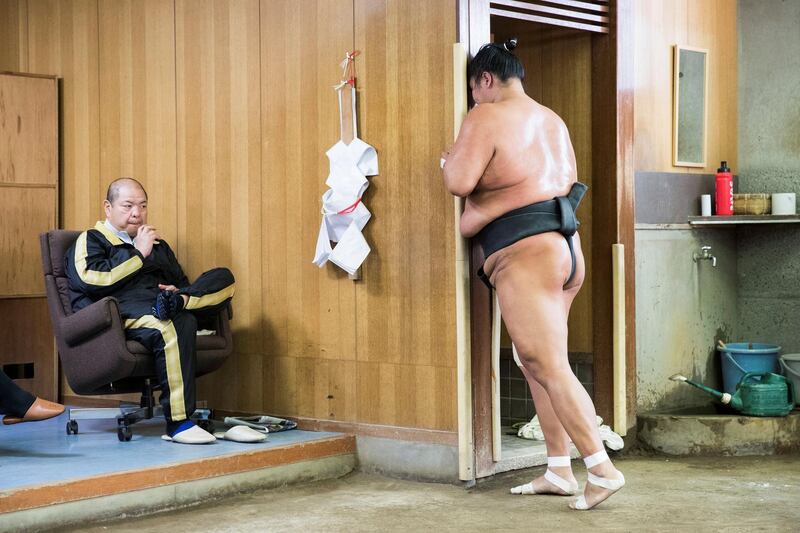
<point>486,110</point>
<point>549,115</point>
<point>486,114</point>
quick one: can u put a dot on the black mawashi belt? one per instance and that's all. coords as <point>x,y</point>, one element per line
<point>557,214</point>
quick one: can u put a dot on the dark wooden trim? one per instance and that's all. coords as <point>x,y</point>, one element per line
<point>480,301</point>
<point>28,75</point>
<point>23,185</point>
<point>604,206</point>
<point>74,400</point>
<point>626,189</point>
<point>481,342</point>
<point>613,202</point>
<point>429,436</point>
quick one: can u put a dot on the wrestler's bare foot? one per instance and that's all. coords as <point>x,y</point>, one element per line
<point>543,485</point>
<point>604,480</point>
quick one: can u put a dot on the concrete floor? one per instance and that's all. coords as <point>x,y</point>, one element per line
<point>662,494</point>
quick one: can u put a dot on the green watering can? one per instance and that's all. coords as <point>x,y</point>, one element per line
<point>771,395</point>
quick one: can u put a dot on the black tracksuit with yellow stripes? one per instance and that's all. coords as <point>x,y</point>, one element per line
<point>100,264</point>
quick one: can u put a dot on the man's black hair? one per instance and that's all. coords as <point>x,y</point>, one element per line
<point>113,188</point>
<point>498,60</point>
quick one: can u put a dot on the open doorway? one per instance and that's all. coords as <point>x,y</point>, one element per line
<point>579,62</point>
<point>558,69</point>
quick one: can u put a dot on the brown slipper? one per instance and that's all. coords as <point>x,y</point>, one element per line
<point>40,410</point>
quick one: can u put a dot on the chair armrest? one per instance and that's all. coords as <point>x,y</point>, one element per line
<point>89,321</point>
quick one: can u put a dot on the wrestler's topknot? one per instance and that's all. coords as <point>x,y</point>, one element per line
<point>497,59</point>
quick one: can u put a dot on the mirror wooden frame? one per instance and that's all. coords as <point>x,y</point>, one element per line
<point>676,106</point>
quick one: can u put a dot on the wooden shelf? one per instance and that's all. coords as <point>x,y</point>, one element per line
<point>743,219</point>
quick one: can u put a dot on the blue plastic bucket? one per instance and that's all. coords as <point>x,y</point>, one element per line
<point>739,358</point>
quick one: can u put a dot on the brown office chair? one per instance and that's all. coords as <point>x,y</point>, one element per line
<point>96,357</point>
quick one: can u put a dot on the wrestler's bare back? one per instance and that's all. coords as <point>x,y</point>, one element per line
<point>508,155</point>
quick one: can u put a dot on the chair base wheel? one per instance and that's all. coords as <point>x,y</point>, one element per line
<point>124,434</point>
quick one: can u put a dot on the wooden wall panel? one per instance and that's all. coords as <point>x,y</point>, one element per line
<point>137,103</point>
<point>30,122</point>
<point>660,24</point>
<point>29,206</point>
<point>224,110</point>
<point>309,313</point>
<point>62,41</point>
<point>27,337</point>
<point>13,35</point>
<point>406,395</point>
<point>567,91</point>
<point>558,66</point>
<point>219,173</point>
<point>405,304</point>
<point>25,212</point>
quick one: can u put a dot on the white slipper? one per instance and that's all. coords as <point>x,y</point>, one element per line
<point>193,435</point>
<point>241,434</point>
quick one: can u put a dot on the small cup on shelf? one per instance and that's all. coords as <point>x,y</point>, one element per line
<point>784,203</point>
<point>705,205</point>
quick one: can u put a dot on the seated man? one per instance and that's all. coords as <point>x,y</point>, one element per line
<point>126,258</point>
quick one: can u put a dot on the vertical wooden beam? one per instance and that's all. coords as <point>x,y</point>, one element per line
<point>626,191</point>
<point>481,341</point>
<point>479,32</point>
<point>466,449</point>
<point>612,164</point>
<point>480,301</point>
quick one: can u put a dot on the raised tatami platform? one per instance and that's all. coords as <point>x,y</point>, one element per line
<point>49,478</point>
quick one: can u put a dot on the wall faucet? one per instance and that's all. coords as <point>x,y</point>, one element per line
<point>704,255</point>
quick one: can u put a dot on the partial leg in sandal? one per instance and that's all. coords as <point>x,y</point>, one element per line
<point>598,487</point>
<point>560,486</point>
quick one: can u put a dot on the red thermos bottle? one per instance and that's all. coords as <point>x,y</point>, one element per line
<point>724,190</point>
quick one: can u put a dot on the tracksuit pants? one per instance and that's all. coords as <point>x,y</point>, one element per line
<point>173,342</point>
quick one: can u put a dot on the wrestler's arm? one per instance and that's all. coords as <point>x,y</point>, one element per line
<point>472,152</point>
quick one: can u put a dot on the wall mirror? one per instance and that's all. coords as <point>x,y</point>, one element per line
<point>690,106</point>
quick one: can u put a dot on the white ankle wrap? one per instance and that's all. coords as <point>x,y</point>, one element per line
<point>559,460</point>
<point>595,459</point>
<point>554,479</point>
<point>609,484</point>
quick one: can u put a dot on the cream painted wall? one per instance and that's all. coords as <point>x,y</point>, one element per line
<point>660,24</point>
<point>682,307</point>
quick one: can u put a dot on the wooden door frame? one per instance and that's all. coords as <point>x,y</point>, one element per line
<point>612,164</point>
